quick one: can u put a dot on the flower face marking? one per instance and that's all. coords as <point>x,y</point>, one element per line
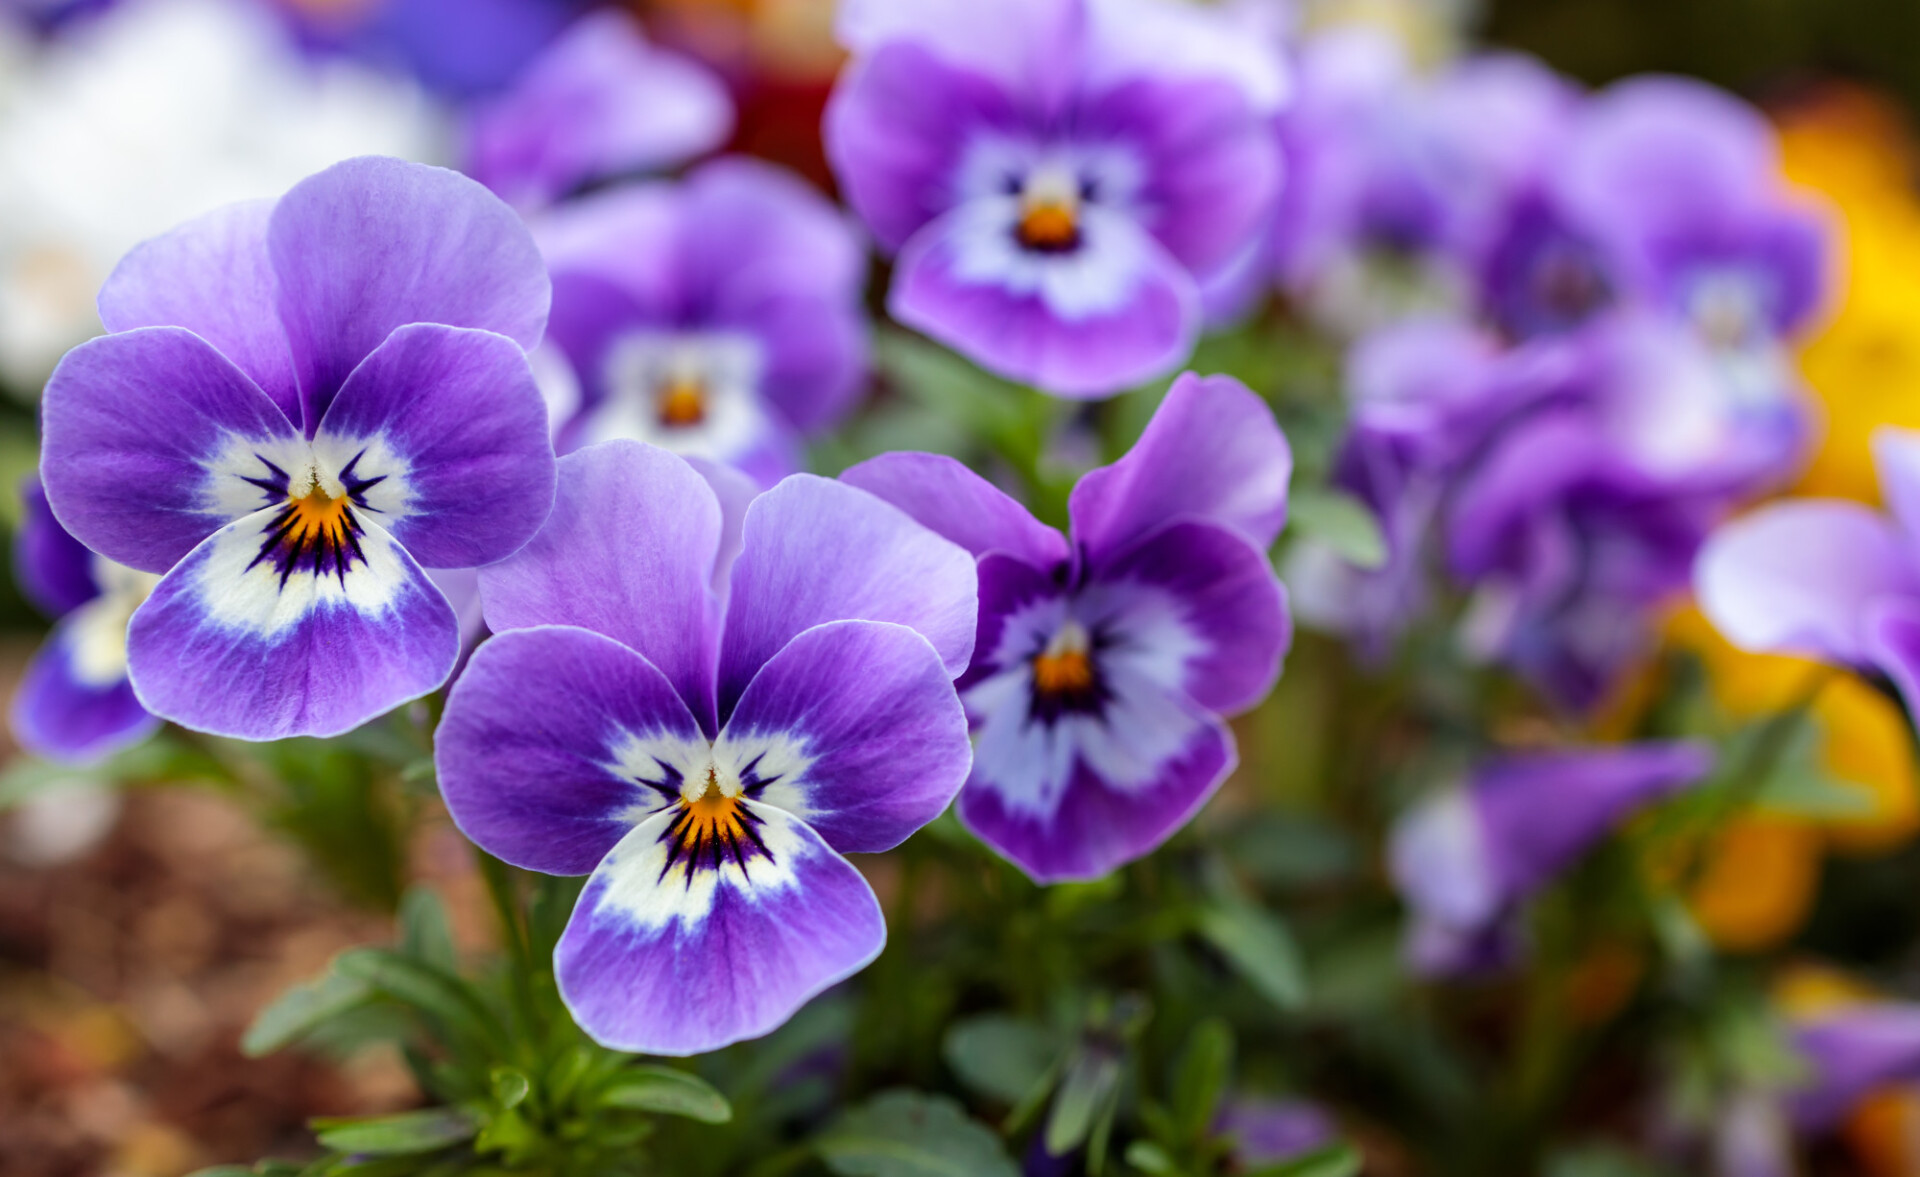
<point>1065,675</point>
<point>1050,210</point>
<point>711,823</point>
<point>691,392</point>
<point>316,529</point>
<point>682,403</point>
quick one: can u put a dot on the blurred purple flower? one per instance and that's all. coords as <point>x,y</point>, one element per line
<point>1466,858</point>
<point>74,702</point>
<point>718,317</point>
<point>598,103</point>
<point>1827,578</point>
<point>315,396</point>
<point>461,48</point>
<point>1853,1052</point>
<point>705,698</point>
<point>1057,176</point>
<point>1267,1132</point>
<point>1105,660</point>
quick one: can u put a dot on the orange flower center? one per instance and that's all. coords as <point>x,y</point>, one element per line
<point>1063,673</point>
<point>682,403</point>
<point>709,829</point>
<point>1049,226</point>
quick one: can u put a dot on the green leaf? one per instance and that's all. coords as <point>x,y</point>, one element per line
<point>301,1010</point>
<point>1341,522</point>
<point>427,989</point>
<point>404,1134</point>
<point>907,1134</point>
<point>1149,1157</point>
<point>426,934</point>
<point>1092,1082</point>
<point>663,1089</point>
<point>510,1087</point>
<point>949,385</point>
<point>1205,1066</point>
<point>1259,947</point>
<point>1335,1160</point>
<point>1000,1056</point>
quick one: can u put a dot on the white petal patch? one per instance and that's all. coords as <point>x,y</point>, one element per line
<point>643,888</point>
<point>97,630</point>
<point>231,489</point>
<point>240,590</point>
<point>724,367</point>
<point>1437,856</point>
<point>779,759</point>
<point>659,763</point>
<point>350,461</point>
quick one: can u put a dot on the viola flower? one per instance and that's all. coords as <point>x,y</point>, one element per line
<point>1466,858</point>
<point>1827,578</point>
<point>718,317</point>
<point>74,702</point>
<point>704,699</point>
<point>1264,1131</point>
<point>1058,177</point>
<point>314,396</point>
<point>1852,1052</point>
<point>598,103</point>
<point>1105,660</point>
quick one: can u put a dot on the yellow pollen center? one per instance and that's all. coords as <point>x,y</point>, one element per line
<point>317,518</point>
<point>1049,225</point>
<point>682,403</point>
<point>1062,673</point>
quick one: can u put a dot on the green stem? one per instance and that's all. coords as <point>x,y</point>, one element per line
<point>514,936</point>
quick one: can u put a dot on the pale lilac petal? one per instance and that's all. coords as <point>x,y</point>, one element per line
<point>1896,459</point>
<point>466,426</point>
<point>598,102</point>
<point>1439,860</point>
<point>53,569</point>
<point>212,276</point>
<point>1211,452</point>
<point>541,733</point>
<point>629,552</point>
<point>1799,577</point>
<point>815,551</point>
<point>736,492</point>
<point>373,244</point>
<point>857,729</point>
<point>1116,312</point>
<point>1231,602</point>
<point>1892,636</point>
<point>67,709</point>
<point>660,959</point>
<point>943,494</point>
<point>228,646</point>
<point>1026,49</point>
<point>1854,1052</point>
<point>1174,40</point>
<point>142,435</point>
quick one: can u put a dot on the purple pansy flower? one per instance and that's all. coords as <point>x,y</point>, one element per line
<point>1851,1053</point>
<point>1264,1131</point>
<point>1105,660</point>
<point>704,698</point>
<point>301,403</point>
<point>599,102</point>
<point>1827,578</point>
<point>718,317</point>
<point>74,702</point>
<point>1464,859</point>
<point>1057,176</point>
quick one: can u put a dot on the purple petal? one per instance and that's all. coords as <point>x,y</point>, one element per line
<point>1440,862</point>
<point>213,277</point>
<point>598,102</point>
<point>665,959</point>
<point>1800,577</point>
<point>1230,601</point>
<point>536,732</point>
<point>69,706</point>
<point>816,551</point>
<point>629,552</point>
<point>53,569</point>
<point>1076,798</point>
<point>1211,452</point>
<point>459,409</point>
<point>857,729</point>
<point>1269,1131</point>
<point>228,645</point>
<point>142,433</point>
<point>942,494</point>
<point>1540,812</point>
<point>1854,1052</point>
<point>1892,637</point>
<point>1896,459</point>
<point>373,244</point>
<point>1117,311</point>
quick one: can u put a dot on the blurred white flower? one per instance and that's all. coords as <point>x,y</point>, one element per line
<point>152,113</point>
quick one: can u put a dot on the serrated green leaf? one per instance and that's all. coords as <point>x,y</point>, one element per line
<point>407,1133</point>
<point>907,1134</point>
<point>1335,1160</point>
<point>301,1010</point>
<point>1206,1064</point>
<point>1259,947</point>
<point>1341,522</point>
<point>665,1090</point>
<point>999,1055</point>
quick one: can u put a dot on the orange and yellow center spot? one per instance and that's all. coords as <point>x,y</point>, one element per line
<point>317,519</point>
<point>709,829</point>
<point>682,403</point>
<point>1062,673</point>
<point>1049,226</point>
